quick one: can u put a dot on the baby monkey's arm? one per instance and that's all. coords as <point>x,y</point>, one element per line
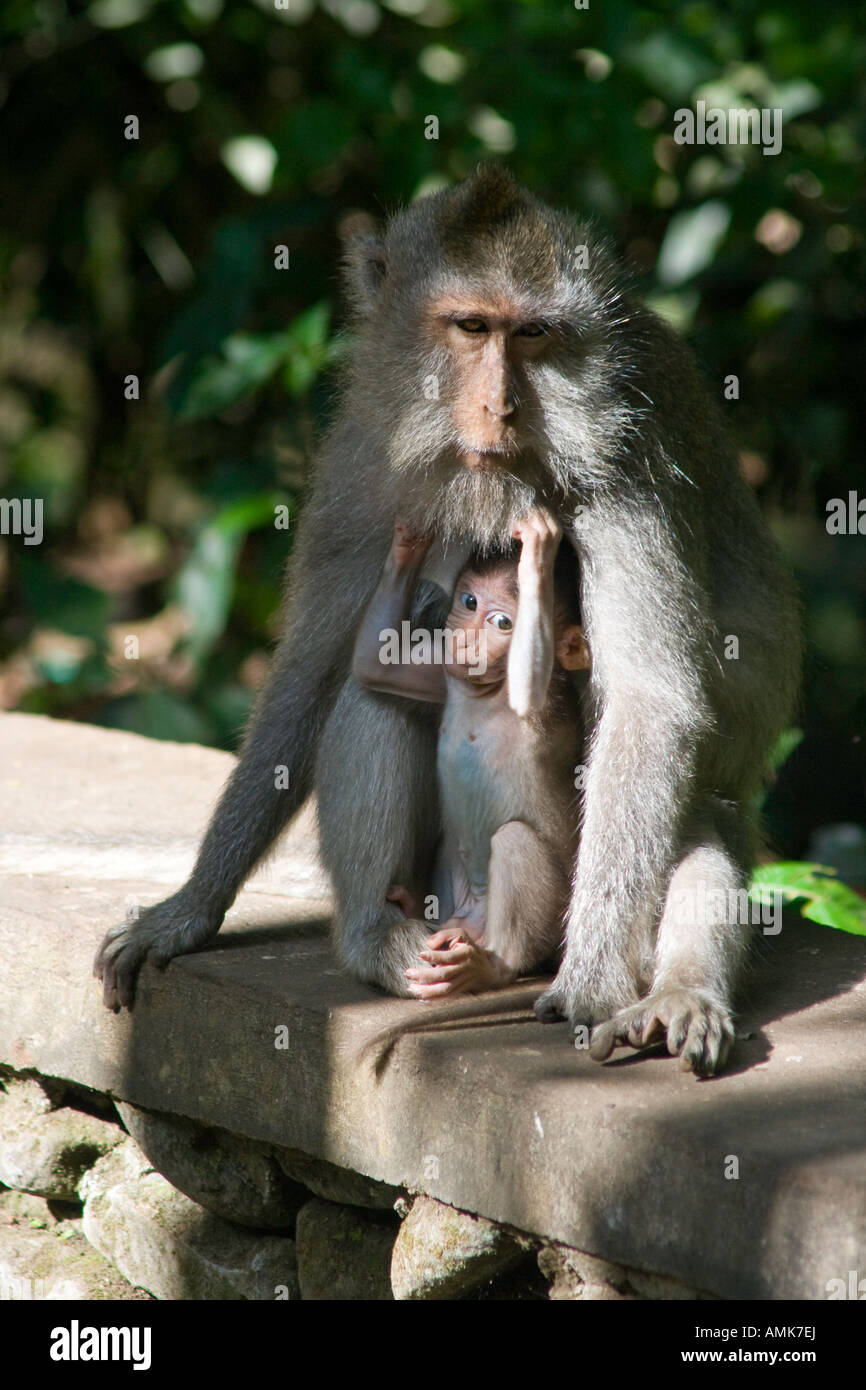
<point>530,656</point>
<point>388,609</point>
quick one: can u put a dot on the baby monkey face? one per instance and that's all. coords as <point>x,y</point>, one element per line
<point>483,611</point>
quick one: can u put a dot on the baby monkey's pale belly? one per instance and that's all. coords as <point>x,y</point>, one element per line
<point>493,769</point>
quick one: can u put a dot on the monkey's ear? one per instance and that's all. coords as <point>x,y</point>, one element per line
<point>365,261</point>
<point>572,651</point>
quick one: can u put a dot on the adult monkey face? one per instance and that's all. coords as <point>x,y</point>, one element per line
<point>489,346</point>
<point>495,359</point>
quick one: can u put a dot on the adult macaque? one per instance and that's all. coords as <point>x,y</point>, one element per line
<point>508,746</point>
<point>499,366</point>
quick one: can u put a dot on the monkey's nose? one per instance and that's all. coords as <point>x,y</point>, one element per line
<point>501,407</point>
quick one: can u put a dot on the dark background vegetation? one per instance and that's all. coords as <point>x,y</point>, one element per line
<point>156,257</point>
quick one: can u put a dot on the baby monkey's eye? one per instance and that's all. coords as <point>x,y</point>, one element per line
<point>530,330</point>
<point>472,325</point>
<point>500,620</point>
<point>469,601</point>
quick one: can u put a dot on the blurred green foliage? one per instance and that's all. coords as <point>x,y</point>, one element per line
<point>261,127</point>
<point>817,891</point>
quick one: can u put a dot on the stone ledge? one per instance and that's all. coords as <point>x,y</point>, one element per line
<point>495,1115</point>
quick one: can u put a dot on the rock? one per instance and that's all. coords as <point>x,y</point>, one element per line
<point>46,1150</point>
<point>37,1213</point>
<point>343,1253</point>
<point>662,1287</point>
<point>165,1243</point>
<point>521,1283</point>
<point>43,1256</point>
<point>44,1092</point>
<point>574,1274</point>
<point>335,1184</point>
<point>442,1253</point>
<point>233,1177</point>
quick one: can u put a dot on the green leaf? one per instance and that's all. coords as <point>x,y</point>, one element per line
<point>205,583</point>
<point>670,65</point>
<point>246,363</point>
<point>691,241</point>
<point>157,714</point>
<point>56,600</point>
<point>788,740</point>
<point>312,136</point>
<point>249,360</point>
<point>822,896</point>
<point>307,348</point>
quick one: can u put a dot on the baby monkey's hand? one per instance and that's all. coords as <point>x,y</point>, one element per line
<point>539,534</point>
<point>409,544</point>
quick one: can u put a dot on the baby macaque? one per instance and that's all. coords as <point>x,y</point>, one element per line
<point>508,746</point>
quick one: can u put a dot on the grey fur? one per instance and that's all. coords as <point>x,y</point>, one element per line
<point>626,447</point>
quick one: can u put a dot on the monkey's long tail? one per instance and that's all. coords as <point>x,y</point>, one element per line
<point>479,1011</point>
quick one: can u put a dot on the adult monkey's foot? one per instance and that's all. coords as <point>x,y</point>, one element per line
<point>696,1027</point>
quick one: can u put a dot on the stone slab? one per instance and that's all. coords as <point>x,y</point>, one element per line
<point>494,1114</point>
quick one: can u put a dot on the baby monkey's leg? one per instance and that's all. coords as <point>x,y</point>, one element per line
<point>438,905</point>
<point>526,900</point>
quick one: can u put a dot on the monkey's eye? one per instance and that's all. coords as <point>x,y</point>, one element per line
<point>530,330</point>
<point>472,325</point>
<point>469,601</point>
<point>500,620</point>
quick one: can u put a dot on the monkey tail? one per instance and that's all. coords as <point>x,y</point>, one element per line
<point>479,1011</point>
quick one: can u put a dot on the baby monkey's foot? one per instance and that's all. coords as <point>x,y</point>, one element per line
<point>454,964</point>
<point>695,1026</point>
